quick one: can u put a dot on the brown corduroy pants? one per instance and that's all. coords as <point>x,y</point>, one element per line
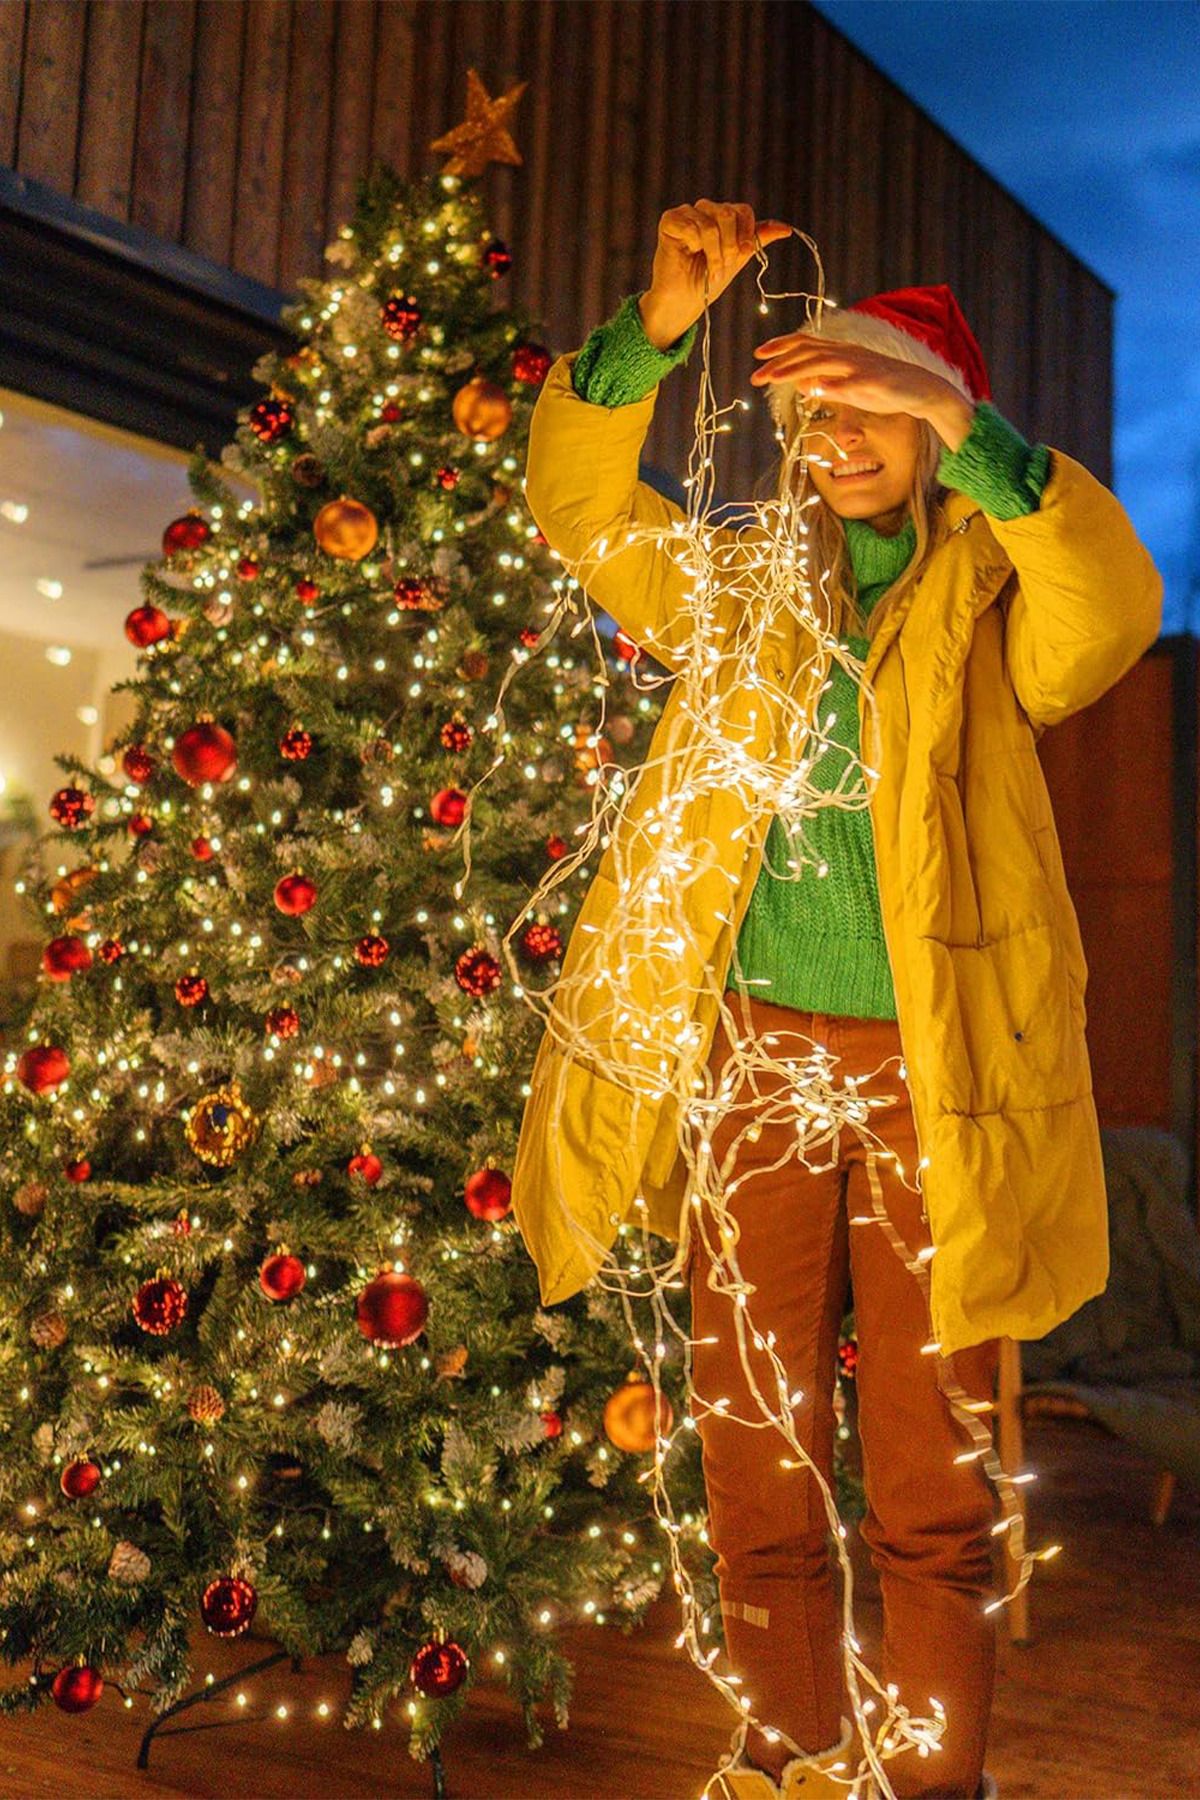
<point>929,1519</point>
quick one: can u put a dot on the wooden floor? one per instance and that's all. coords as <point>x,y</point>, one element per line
<point>1102,1704</point>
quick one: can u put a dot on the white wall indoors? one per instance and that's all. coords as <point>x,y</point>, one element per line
<point>82,510</point>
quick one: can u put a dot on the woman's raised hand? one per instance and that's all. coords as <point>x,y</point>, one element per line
<point>713,237</point>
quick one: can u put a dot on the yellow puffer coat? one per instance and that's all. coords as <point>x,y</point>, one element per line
<point>1013,626</point>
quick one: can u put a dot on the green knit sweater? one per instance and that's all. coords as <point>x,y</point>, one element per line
<point>809,940</point>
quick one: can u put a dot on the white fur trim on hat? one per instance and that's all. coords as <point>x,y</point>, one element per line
<point>848,327</point>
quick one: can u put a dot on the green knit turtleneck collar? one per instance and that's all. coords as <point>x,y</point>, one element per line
<point>878,560</point>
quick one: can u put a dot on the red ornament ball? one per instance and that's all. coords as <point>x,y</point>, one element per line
<point>70,806</point>
<point>625,646</point>
<point>541,944</point>
<point>531,363</point>
<point>138,765</point>
<point>80,1478</point>
<point>371,950</point>
<point>392,1309</point>
<point>271,420</point>
<point>307,590</point>
<point>400,317</point>
<point>295,745</point>
<point>529,635</point>
<point>202,848</point>
<point>281,1276</point>
<point>247,568</point>
<point>64,957</point>
<point>488,1194</point>
<point>205,752</point>
<point>556,847</point>
<point>160,1304</point>
<point>390,413</point>
<point>448,806</point>
<point>477,972</point>
<point>366,1164</point>
<point>187,533</point>
<point>42,1068</point>
<point>147,625</point>
<point>191,989</point>
<point>438,1668</point>
<point>140,825</point>
<point>227,1606</point>
<point>497,258</point>
<point>456,734</point>
<point>282,1021</point>
<point>448,477</point>
<point>553,1424</point>
<point>78,1169</point>
<point>111,950</point>
<point>77,1687</point>
<point>295,894</point>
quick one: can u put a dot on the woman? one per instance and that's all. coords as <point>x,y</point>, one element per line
<point>996,588</point>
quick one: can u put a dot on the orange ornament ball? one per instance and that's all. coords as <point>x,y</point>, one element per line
<point>630,1417</point>
<point>65,892</point>
<point>481,409</point>
<point>346,528</point>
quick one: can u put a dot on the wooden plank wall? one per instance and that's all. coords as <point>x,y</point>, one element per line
<point>238,127</point>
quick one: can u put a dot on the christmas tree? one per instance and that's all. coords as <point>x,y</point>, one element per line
<point>272,1350</point>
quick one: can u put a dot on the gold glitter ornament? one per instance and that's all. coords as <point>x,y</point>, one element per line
<point>220,1126</point>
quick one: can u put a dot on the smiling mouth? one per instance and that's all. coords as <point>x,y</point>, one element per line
<point>858,474</point>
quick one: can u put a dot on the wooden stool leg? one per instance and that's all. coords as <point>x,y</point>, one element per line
<point>1011,1449</point>
<point>1164,1493</point>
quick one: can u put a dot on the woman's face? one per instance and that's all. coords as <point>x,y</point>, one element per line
<point>889,441</point>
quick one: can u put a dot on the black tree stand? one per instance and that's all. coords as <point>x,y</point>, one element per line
<point>212,1689</point>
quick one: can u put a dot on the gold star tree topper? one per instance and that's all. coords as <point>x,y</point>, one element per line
<point>482,137</point>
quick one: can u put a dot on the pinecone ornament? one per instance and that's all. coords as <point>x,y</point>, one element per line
<point>205,1404</point>
<point>128,1564</point>
<point>467,1568</point>
<point>30,1198</point>
<point>48,1330</point>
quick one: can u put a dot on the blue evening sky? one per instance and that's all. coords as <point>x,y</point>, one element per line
<point>1088,112</point>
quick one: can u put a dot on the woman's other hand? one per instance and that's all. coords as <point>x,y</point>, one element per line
<point>824,369</point>
<point>713,238</point>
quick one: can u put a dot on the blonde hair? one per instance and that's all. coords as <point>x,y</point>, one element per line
<point>829,553</point>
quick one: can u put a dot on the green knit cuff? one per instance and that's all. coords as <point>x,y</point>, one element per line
<point>996,466</point>
<point>618,364</point>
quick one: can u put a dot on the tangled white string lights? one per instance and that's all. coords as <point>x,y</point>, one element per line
<point>640,968</point>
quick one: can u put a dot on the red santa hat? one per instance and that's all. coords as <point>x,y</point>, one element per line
<point>923,325</point>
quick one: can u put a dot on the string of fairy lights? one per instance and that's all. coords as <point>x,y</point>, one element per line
<point>625,999</point>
